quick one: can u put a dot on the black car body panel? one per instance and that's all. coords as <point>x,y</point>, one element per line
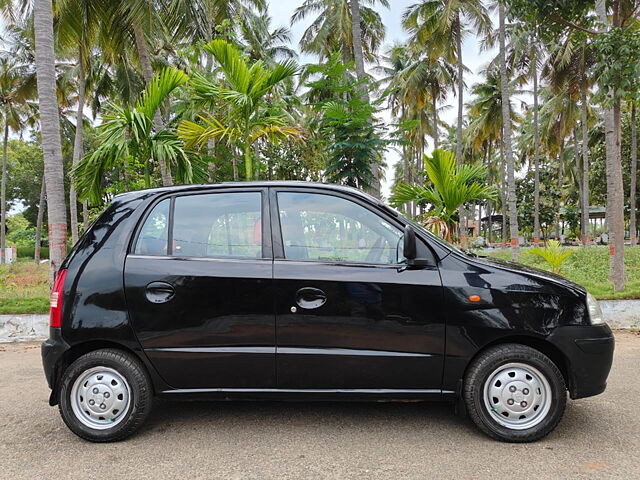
<point>270,327</point>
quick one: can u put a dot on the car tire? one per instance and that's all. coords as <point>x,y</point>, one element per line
<point>105,395</point>
<point>514,393</point>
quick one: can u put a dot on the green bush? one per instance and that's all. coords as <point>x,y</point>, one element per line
<point>29,252</point>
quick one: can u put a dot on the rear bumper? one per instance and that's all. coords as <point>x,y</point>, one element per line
<point>52,351</point>
<point>589,354</point>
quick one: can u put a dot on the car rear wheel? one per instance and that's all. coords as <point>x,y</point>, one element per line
<point>105,395</point>
<point>514,393</point>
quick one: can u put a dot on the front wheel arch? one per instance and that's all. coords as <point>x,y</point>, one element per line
<point>540,344</point>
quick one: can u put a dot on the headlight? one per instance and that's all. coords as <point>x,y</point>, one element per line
<point>595,312</point>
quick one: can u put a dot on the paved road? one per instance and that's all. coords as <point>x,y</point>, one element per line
<point>598,437</point>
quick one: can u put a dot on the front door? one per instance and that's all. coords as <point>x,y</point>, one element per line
<point>349,314</point>
<point>200,292</point>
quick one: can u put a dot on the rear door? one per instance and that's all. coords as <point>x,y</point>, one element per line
<point>199,289</point>
<point>349,315</point>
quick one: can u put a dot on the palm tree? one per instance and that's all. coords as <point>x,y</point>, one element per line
<point>506,125</point>
<point>449,188</point>
<point>17,85</point>
<point>50,128</point>
<point>568,70</point>
<point>200,19</point>
<point>525,54</point>
<point>262,42</point>
<point>333,28</point>
<point>127,136</point>
<point>485,126</point>
<point>439,25</point>
<point>634,176</point>
<point>243,89</point>
<point>615,190</point>
<point>77,29</point>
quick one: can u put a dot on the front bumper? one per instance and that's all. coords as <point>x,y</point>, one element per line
<point>588,352</point>
<point>53,349</point>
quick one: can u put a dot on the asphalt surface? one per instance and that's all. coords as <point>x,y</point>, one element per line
<point>599,437</point>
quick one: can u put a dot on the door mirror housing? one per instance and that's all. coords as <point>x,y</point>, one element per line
<point>409,247</point>
<point>410,250</point>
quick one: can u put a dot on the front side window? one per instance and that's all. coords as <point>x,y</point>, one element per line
<point>218,225</point>
<point>320,227</point>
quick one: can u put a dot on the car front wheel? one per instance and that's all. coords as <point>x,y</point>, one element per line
<point>515,393</point>
<point>105,395</point>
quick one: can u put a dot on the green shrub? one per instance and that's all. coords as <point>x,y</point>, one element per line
<point>29,252</point>
<point>553,253</point>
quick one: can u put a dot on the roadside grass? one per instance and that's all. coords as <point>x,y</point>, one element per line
<point>589,267</point>
<point>24,287</point>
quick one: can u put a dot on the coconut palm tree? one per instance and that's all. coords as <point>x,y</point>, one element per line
<point>17,85</point>
<point>243,87</point>
<point>77,29</point>
<point>127,136</point>
<point>485,127</point>
<point>200,19</point>
<point>261,42</point>
<point>439,27</point>
<point>634,177</point>
<point>449,187</point>
<point>525,55</point>
<point>333,28</point>
<point>50,129</point>
<point>506,139</point>
<point>567,69</point>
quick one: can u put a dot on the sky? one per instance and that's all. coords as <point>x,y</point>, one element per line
<point>474,59</point>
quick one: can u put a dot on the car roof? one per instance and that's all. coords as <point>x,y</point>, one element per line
<point>261,184</point>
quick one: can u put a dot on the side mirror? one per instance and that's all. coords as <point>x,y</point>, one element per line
<point>409,247</point>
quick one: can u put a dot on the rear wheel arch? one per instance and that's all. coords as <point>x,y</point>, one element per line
<point>80,349</point>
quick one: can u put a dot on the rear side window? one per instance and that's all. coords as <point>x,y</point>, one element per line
<point>218,225</point>
<point>207,225</point>
<point>153,237</point>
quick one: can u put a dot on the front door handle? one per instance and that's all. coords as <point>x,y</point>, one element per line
<point>310,298</point>
<point>159,292</point>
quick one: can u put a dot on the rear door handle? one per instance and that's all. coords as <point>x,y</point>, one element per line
<point>159,292</point>
<point>310,298</point>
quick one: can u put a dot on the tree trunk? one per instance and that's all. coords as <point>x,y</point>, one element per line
<point>147,72</point>
<point>50,126</point>
<point>503,195</point>
<point>41,207</point>
<point>3,188</point>
<point>615,193</point>
<point>633,230</point>
<point>489,203</point>
<point>585,163</point>
<point>458,27</point>
<point>536,155</point>
<point>434,106</point>
<point>85,216</point>
<point>77,147</point>
<point>358,56</point>
<point>506,121</point>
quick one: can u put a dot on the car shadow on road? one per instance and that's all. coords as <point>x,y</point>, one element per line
<point>268,417</point>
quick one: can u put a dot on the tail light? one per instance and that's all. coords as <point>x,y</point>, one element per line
<point>55,313</point>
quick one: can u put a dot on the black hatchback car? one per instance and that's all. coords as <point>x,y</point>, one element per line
<point>288,290</point>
